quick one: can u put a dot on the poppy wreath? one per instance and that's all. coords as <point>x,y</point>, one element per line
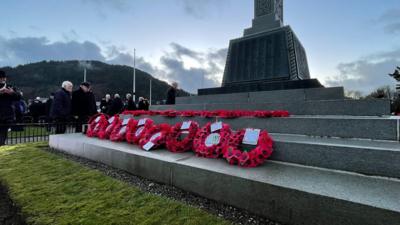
<point>135,132</point>
<point>119,131</point>
<point>96,123</point>
<point>252,158</point>
<point>173,143</point>
<point>203,149</point>
<point>156,135</point>
<point>106,132</point>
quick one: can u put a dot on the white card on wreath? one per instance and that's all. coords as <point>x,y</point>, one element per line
<point>186,125</point>
<point>251,136</point>
<point>111,120</point>
<point>97,119</point>
<point>148,146</point>
<point>216,126</point>
<point>123,130</point>
<point>142,122</point>
<point>125,122</point>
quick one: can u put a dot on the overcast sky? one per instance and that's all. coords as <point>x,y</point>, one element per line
<point>354,43</point>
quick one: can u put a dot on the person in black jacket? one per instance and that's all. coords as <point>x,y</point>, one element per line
<point>116,106</point>
<point>105,103</point>
<point>82,105</point>
<point>61,109</point>
<point>171,94</point>
<point>130,104</point>
<point>8,95</point>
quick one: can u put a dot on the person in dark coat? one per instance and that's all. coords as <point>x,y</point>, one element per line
<point>130,104</point>
<point>141,104</point>
<point>48,105</point>
<point>82,105</point>
<point>116,106</point>
<point>35,109</point>
<point>171,94</point>
<point>61,109</point>
<point>8,95</point>
<point>105,104</point>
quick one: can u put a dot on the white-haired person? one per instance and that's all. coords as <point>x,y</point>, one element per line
<point>130,103</point>
<point>116,106</point>
<point>61,109</point>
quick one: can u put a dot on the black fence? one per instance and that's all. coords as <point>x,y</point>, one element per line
<point>36,132</point>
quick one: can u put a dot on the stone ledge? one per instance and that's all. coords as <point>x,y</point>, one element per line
<point>371,107</point>
<point>284,192</point>
<point>376,128</point>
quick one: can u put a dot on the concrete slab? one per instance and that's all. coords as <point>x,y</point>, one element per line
<point>376,128</point>
<point>379,158</point>
<point>293,95</point>
<point>372,107</point>
<point>288,193</point>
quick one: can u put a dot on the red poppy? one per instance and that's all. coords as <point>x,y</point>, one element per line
<point>136,129</point>
<point>210,144</point>
<point>253,158</point>
<point>155,136</point>
<point>173,143</point>
<point>96,123</point>
<point>106,132</point>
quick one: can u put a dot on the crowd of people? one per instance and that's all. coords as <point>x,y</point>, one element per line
<point>63,106</point>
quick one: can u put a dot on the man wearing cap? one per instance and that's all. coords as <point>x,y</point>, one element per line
<point>8,95</point>
<point>82,105</point>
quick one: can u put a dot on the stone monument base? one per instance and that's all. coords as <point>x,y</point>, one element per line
<point>262,86</point>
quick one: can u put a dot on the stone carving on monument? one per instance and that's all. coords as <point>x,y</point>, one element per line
<point>269,56</point>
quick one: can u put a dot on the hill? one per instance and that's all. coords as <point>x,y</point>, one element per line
<point>42,78</point>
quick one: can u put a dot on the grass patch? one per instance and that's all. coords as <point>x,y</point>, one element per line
<point>53,190</point>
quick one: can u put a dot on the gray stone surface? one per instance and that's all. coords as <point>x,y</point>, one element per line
<point>267,52</point>
<point>268,14</point>
<point>372,107</point>
<point>312,94</point>
<point>269,56</point>
<point>284,192</point>
<point>379,158</point>
<point>375,128</point>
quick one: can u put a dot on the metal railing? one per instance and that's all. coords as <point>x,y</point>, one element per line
<point>19,133</point>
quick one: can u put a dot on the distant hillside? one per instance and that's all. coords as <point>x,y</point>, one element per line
<point>40,79</point>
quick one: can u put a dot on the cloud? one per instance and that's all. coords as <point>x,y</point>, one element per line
<point>390,21</point>
<point>192,69</point>
<point>23,50</point>
<point>119,5</point>
<point>201,8</point>
<point>367,73</point>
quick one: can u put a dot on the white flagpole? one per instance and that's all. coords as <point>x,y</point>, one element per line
<point>150,90</point>
<point>134,74</point>
<point>84,74</point>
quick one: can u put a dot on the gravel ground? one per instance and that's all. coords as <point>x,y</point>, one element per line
<point>235,215</point>
<point>10,214</point>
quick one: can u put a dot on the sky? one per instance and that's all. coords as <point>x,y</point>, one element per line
<point>350,43</point>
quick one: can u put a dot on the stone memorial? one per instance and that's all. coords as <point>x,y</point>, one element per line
<point>268,57</point>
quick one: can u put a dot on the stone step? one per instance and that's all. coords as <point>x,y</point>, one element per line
<point>371,107</point>
<point>293,95</point>
<point>375,128</point>
<point>288,193</point>
<point>379,158</point>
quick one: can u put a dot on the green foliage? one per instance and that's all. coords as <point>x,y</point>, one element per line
<point>52,190</point>
<point>42,78</point>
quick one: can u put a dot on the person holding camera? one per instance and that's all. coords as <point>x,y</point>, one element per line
<point>8,95</point>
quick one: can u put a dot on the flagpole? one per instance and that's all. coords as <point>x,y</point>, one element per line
<point>150,89</point>
<point>134,74</point>
<point>84,74</point>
